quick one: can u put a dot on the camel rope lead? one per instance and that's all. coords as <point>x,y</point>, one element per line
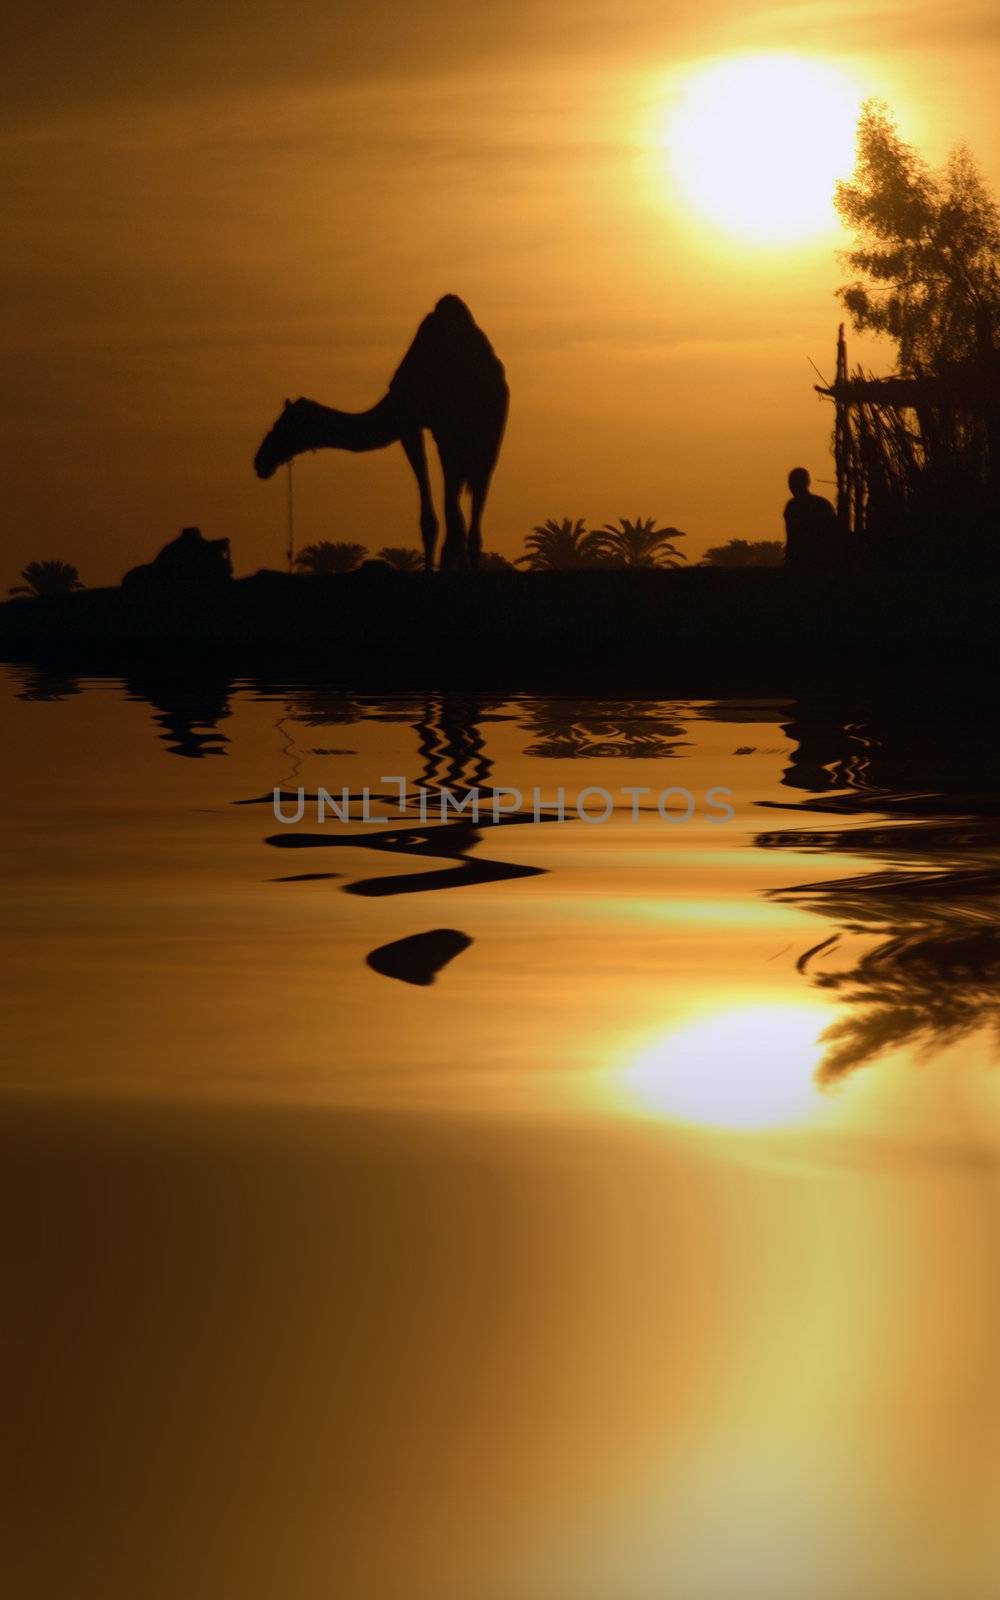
<point>291,521</point>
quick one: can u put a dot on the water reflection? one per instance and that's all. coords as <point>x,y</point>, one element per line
<point>47,684</point>
<point>930,912</point>
<point>448,841</point>
<point>317,706</point>
<point>564,729</point>
<point>828,752</point>
<point>452,744</point>
<point>448,728</point>
<point>745,1067</point>
<point>453,755</point>
<point>188,710</point>
<point>907,951</point>
<point>347,1140</point>
<point>911,788</point>
<point>419,958</point>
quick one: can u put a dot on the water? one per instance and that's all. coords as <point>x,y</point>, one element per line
<point>647,1251</point>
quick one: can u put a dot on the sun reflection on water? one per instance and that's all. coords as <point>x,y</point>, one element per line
<point>746,1068</point>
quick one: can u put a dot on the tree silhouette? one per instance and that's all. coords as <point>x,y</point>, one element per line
<point>48,577</point>
<point>492,561</point>
<point>746,553</point>
<point>641,544</point>
<point>401,558</point>
<point>928,247</point>
<point>320,560</point>
<point>562,547</point>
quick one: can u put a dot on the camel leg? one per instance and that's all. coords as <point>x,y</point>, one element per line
<point>478,489</point>
<point>454,555</point>
<point>416,455</point>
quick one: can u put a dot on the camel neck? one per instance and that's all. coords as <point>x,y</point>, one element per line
<point>355,430</point>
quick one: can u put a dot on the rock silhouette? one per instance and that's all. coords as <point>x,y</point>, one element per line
<point>190,558</point>
<point>419,958</point>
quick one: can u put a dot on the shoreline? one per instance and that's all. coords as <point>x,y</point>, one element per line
<point>521,629</point>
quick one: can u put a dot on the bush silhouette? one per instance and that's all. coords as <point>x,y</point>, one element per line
<point>746,553</point>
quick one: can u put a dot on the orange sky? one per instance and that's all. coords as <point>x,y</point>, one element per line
<point>210,209</point>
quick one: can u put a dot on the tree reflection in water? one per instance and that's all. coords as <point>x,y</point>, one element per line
<point>567,729</point>
<point>931,903</point>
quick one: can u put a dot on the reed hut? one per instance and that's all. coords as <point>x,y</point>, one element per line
<point>918,458</point>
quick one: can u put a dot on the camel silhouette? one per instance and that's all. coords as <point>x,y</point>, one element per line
<point>449,381</point>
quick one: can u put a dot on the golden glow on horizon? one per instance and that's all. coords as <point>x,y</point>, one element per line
<point>748,1068</point>
<point>756,144</point>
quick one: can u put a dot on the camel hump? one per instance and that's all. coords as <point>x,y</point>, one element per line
<point>450,354</point>
<point>454,310</point>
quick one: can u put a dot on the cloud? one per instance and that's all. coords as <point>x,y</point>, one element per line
<point>113,53</point>
<point>855,25</point>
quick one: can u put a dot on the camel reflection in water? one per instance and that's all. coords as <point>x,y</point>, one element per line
<point>453,757</point>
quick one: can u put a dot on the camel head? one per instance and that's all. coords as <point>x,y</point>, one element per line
<point>291,434</point>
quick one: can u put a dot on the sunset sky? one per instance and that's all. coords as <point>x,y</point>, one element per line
<point>209,208</point>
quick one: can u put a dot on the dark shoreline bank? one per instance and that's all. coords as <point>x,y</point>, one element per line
<point>605,628</point>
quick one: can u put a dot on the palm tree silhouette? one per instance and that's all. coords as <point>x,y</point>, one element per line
<point>641,544</point>
<point>320,560</point>
<point>746,553</point>
<point>562,546</point>
<point>401,558</point>
<point>48,577</point>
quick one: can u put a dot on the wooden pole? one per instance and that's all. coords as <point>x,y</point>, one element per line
<point>841,438</point>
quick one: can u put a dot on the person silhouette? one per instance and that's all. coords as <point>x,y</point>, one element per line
<point>811,528</point>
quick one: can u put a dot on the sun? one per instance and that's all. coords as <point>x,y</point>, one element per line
<point>750,1067</point>
<point>755,145</point>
